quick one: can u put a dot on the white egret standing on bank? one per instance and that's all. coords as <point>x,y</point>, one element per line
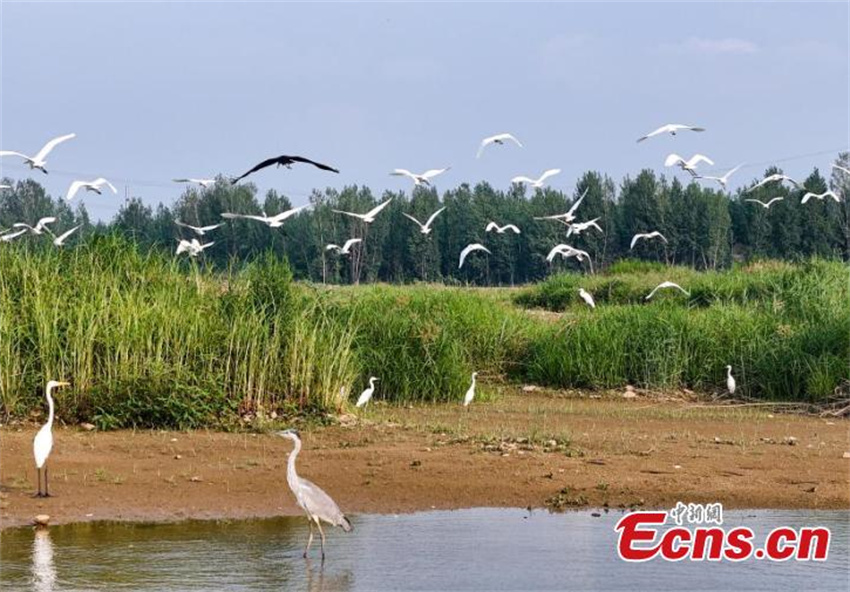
<point>470,394</point>
<point>317,504</point>
<point>366,395</point>
<point>42,444</point>
<point>730,381</point>
<point>587,297</point>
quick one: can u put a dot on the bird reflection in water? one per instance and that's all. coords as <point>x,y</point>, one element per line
<point>43,571</point>
<point>317,581</point>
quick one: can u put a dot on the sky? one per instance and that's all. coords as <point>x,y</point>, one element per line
<point>162,90</point>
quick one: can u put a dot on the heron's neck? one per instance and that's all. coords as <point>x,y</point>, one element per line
<point>291,475</point>
<point>473,381</point>
<point>49,407</point>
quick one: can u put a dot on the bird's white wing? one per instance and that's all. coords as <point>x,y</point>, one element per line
<point>349,242</point>
<point>284,215</point>
<point>374,211</point>
<point>205,245</point>
<point>73,189</point>
<point>635,239</point>
<point>660,130</point>
<point>230,216</point>
<point>556,250</point>
<point>13,153</point>
<point>332,246</point>
<point>100,181</point>
<point>434,215</point>
<point>768,204</point>
<point>61,238</point>
<point>51,145</point>
<point>42,223</point>
<point>523,179</point>
<point>13,235</point>
<point>841,168</point>
<point>731,172</point>
<point>673,159</point>
<point>469,249</point>
<point>491,226</point>
<point>182,246</point>
<point>575,206</point>
<point>698,158</point>
<point>659,235</point>
<point>418,223</point>
<point>547,174</point>
<point>319,504</point>
<point>511,227</point>
<point>403,173</point>
<point>510,137</point>
<point>207,228</point>
<point>431,173</point>
<point>806,197</point>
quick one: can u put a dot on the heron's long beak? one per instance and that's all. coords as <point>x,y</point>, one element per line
<point>63,384</point>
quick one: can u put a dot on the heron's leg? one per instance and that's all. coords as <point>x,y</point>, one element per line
<point>38,493</point>
<point>46,493</point>
<point>309,540</point>
<point>322,533</point>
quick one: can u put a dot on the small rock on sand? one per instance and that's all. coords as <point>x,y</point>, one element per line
<point>846,455</point>
<point>87,426</point>
<point>42,520</point>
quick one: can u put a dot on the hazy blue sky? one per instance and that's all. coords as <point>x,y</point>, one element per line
<point>158,90</point>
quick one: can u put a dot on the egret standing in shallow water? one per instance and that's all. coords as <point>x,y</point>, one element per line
<point>317,504</point>
<point>470,394</point>
<point>42,444</point>
<point>730,381</point>
<point>366,395</point>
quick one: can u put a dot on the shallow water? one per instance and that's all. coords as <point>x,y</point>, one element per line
<point>478,549</point>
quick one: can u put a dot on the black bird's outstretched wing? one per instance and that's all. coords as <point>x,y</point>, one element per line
<point>284,160</point>
<point>266,163</point>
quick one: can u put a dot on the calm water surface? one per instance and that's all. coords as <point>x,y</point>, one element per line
<point>479,549</point>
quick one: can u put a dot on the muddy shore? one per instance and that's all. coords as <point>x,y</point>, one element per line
<point>523,449</point>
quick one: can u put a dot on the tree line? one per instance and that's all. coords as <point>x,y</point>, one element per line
<point>705,228</point>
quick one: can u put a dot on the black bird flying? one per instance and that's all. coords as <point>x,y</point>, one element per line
<point>286,161</point>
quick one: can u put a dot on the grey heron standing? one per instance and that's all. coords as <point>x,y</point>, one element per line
<point>317,504</point>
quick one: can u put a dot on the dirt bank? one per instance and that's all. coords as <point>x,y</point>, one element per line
<point>525,449</point>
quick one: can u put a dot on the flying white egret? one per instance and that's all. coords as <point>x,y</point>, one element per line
<point>497,139</point>
<point>721,180</point>
<point>317,504</point>
<point>579,227</point>
<point>199,230</point>
<point>193,247</point>
<point>470,394</point>
<point>369,216</point>
<point>42,444</point>
<point>689,165</point>
<point>344,249</point>
<point>730,381</point>
<point>275,221</point>
<point>567,251</point>
<point>587,297</point>
<point>419,179</point>
<point>835,166</point>
<point>569,216</point>
<point>765,205</point>
<point>9,237</point>
<point>366,395</point>
<point>469,249</point>
<point>39,161</point>
<point>202,182</point>
<point>95,186</point>
<point>39,227</point>
<point>663,285</point>
<point>646,235</point>
<point>501,229</point>
<point>771,178</point>
<point>820,196</point>
<point>672,129</point>
<point>425,228</point>
<point>60,240</point>
<point>539,181</point>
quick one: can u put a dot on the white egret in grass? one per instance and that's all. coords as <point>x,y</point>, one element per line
<point>539,181</point>
<point>202,182</point>
<point>369,216</point>
<point>95,186</point>
<point>469,249</point>
<point>425,228</point>
<point>587,297</point>
<point>665,285</point>
<point>193,247</point>
<point>421,178</point>
<point>672,129</point>
<point>811,194</point>
<point>317,504</point>
<point>344,249</point>
<point>765,204</point>
<point>366,395</point>
<point>42,444</point>
<point>39,227</point>
<point>199,230</point>
<point>10,236</point>
<point>579,227</point>
<point>497,139</point>
<point>39,161</point>
<point>730,381</point>
<point>470,393</point>
<point>60,240</point>
<point>689,165</point>
<point>773,178</point>
<point>275,221</point>
<point>646,236</point>
<point>501,229</point>
<point>724,180</point>
<point>569,216</point>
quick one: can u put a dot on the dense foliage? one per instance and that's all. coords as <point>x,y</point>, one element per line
<point>706,228</point>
